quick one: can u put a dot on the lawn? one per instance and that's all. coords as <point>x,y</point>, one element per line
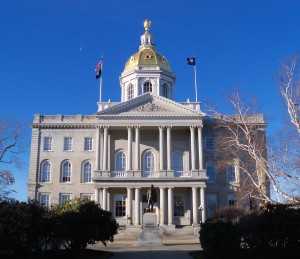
<point>62,254</point>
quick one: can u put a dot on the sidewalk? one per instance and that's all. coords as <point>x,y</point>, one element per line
<point>175,246</point>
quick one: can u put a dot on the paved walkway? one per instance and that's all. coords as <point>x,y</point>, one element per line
<point>175,246</point>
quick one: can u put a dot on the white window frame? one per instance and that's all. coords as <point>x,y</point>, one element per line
<point>46,171</point>
<point>48,143</point>
<point>87,172</point>
<point>120,161</point>
<point>147,87</point>
<point>231,172</point>
<point>149,162</point>
<point>177,162</point>
<point>68,143</point>
<point>179,206</point>
<point>120,198</point>
<point>66,174</point>
<point>211,172</point>
<point>87,196</point>
<point>45,200</point>
<point>130,91</point>
<point>209,143</point>
<point>64,197</point>
<point>88,144</point>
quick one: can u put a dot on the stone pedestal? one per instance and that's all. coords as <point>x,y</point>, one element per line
<point>150,235</point>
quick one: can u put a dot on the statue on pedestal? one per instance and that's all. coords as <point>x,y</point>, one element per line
<point>151,198</point>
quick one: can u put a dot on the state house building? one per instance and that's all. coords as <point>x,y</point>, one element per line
<point>116,154</point>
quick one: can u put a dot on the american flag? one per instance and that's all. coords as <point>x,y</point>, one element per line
<point>99,66</point>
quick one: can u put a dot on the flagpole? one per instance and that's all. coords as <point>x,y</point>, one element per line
<point>101,80</point>
<point>100,89</point>
<point>196,91</point>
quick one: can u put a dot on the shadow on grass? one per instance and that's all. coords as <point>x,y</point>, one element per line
<point>197,254</point>
<point>61,254</point>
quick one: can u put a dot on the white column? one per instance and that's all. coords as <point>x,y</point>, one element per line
<point>129,205</point>
<point>108,201</point>
<point>104,198</point>
<point>192,129</point>
<point>200,148</point>
<point>169,148</point>
<point>195,206</point>
<point>98,148</point>
<point>105,148</point>
<point>100,192</point>
<point>170,206</point>
<point>161,148</point>
<point>137,148</point>
<point>97,195</point>
<point>162,205</point>
<point>203,205</point>
<point>129,160</point>
<point>137,206</point>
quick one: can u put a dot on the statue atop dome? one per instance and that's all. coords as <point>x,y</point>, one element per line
<point>147,25</point>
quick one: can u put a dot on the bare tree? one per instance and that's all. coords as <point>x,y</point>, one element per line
<point>244,140</point>
<point>11,145</point>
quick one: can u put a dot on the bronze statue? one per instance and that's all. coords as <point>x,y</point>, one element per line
<point>151,197</point>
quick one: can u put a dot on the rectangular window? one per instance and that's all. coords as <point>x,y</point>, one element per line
<point>45,201</point>
<point>120,205</point>
<point>212,204</point>
<point>209,144</point>
<point>231,173</point>
<point>178,205</point>
<point>231,199</point>
<point>68,144</point>
<point>86,196</point>
<point>88,144</point>
<point>64,197</point>
<point>48,144</point>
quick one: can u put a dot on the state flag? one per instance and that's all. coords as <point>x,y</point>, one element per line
<point>191,61</point>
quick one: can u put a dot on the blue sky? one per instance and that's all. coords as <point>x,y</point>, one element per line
<point>49,50</point>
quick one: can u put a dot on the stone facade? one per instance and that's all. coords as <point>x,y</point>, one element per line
<point>116,154</point>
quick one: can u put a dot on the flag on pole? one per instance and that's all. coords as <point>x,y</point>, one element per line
<point>98,69</point>
<point>191,61</point>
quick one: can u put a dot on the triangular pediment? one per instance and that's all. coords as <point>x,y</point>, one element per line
<point>150,105</point>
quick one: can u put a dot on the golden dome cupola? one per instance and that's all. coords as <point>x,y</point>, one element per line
<point>147,71</point>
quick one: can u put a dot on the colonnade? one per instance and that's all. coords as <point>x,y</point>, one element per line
<point>102,148</point>
<point>166,204</point>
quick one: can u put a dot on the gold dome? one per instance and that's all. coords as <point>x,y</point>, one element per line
<point>147,57</point>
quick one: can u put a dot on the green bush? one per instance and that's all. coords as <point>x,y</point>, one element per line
<point>77,223</point>
<point>220,236</point>
<point>21,226</point>
<point>271,233</point>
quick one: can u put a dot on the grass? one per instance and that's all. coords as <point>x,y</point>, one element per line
<point>196,254</point>
<point>62,254</point>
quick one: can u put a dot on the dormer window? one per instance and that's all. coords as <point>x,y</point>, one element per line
<point>148,56</point>
<point>147,87</point>
<point>132,59</point>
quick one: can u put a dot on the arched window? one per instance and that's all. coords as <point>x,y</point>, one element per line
<point>120,164</point>
<point>164,90</point>
<point>211,172</point>
<point>147,87</point>
<point>177,162</point>
<point>149,162</point>
<point>130,92</point>
<point>66,172</point>
<point>87,172</point>
<point>46,171</point>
